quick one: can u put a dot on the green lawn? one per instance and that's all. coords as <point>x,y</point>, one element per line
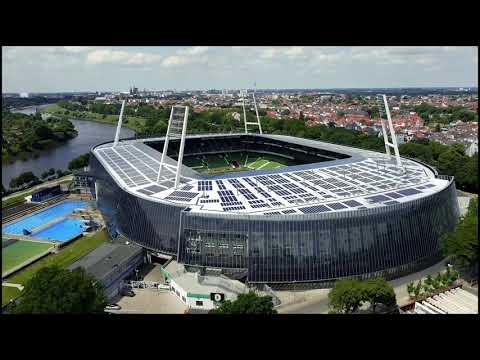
<point>20,251</point>
<point>9,293</point>
<point>13,200</point>
<point>67,256</point>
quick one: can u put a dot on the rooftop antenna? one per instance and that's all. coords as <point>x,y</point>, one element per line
<point>257,123</point>
<point>177,128</point>
<point>384,110</point>
<point>119,125</point>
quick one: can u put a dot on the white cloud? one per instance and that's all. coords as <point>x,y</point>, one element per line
<point>196,50</point>
<point>121,57</point>
<point>196,54</point>
<point>77,49</point>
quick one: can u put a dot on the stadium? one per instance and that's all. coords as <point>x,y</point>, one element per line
<point>274,209</point>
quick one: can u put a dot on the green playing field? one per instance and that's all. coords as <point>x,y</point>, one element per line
<point>20,251</point>
<point>215,164</point>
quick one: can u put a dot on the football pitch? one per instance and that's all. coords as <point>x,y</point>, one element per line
<point>235,162</point>
<point>20,251</point>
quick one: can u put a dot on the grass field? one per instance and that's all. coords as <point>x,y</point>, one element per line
<point>213,164</point>
<point>9,293</point>
<point>20,251</point>
<point>67,256</point>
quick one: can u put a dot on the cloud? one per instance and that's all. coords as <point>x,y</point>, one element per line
<point>196,54</point>
<point>121,57</point>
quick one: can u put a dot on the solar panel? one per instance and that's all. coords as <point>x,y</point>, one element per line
<point>336,206</point>
<point>393,202</point>
<point>220,184</point>
<point>314,209</point>
<point>154,188</point>
<point>204,185</point>
<point>377,198</point>
<point>185,195</point>
<point>289,211</point>
<point>352,203</point>
<point>394,195</point>
<point>409,192</point>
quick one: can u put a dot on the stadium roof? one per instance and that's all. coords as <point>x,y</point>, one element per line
<point>364,180</point>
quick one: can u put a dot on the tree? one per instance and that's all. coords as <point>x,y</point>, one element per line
<point>53,290</point>
<point>44,175</point>
<point>79,162</point>
<point>379,291</point>
<point>462,243</point>
<point>346,296</point>
<point>51,171</point>
<point>249,303</point>
<point>59,173</point>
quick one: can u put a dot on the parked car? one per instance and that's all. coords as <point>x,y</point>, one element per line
<point>113,307</point>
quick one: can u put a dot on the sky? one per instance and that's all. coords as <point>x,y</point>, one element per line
<point>85,68</point>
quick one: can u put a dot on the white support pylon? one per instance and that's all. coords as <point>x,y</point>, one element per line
<point>256,111</point>
<point>119,125</point>
<point>389,144</point>
<point>177,128</point>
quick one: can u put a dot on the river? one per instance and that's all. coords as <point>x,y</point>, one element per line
<point>89,133</point>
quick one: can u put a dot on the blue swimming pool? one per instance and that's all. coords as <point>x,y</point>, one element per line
<point>64,230</point>
<point>44,217</point>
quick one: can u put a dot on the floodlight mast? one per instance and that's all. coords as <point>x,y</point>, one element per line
<point>119,125</point>
<point>177,127</point>
<point>388,144</point>
<point>244,112</point>
<point>256,111</point>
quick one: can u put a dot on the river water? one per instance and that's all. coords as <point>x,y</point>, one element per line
<point>89,133</point>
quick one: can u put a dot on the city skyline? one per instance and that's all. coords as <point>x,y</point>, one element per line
<point>83,68</point>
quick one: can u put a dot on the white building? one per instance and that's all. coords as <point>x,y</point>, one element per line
<point>198,291</point>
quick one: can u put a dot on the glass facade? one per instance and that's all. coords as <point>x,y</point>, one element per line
<point>391,240</point>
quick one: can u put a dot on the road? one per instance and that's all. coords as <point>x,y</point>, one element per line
<point>318,303</point>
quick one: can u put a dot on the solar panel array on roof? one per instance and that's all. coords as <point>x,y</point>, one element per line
<point>336,206</point>
<point>352,203</point>
<point>377,198</point>
<point>136,166</point>
<point>394,195</point>
<point>155,188</point>
<point>314,209</point>
<point>393,202</point>
<point>220,184</point>
<point>186,196</point>
<point>409,191</point>
<point>204,185</point>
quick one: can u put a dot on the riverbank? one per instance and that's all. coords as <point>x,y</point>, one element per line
<point>131,122</point>
<point>90,133</point>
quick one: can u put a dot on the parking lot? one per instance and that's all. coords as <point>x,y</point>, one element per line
<point>150,301</point>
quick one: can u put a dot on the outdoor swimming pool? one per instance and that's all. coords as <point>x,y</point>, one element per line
<point>64,230</point>
<point>45,216</point>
